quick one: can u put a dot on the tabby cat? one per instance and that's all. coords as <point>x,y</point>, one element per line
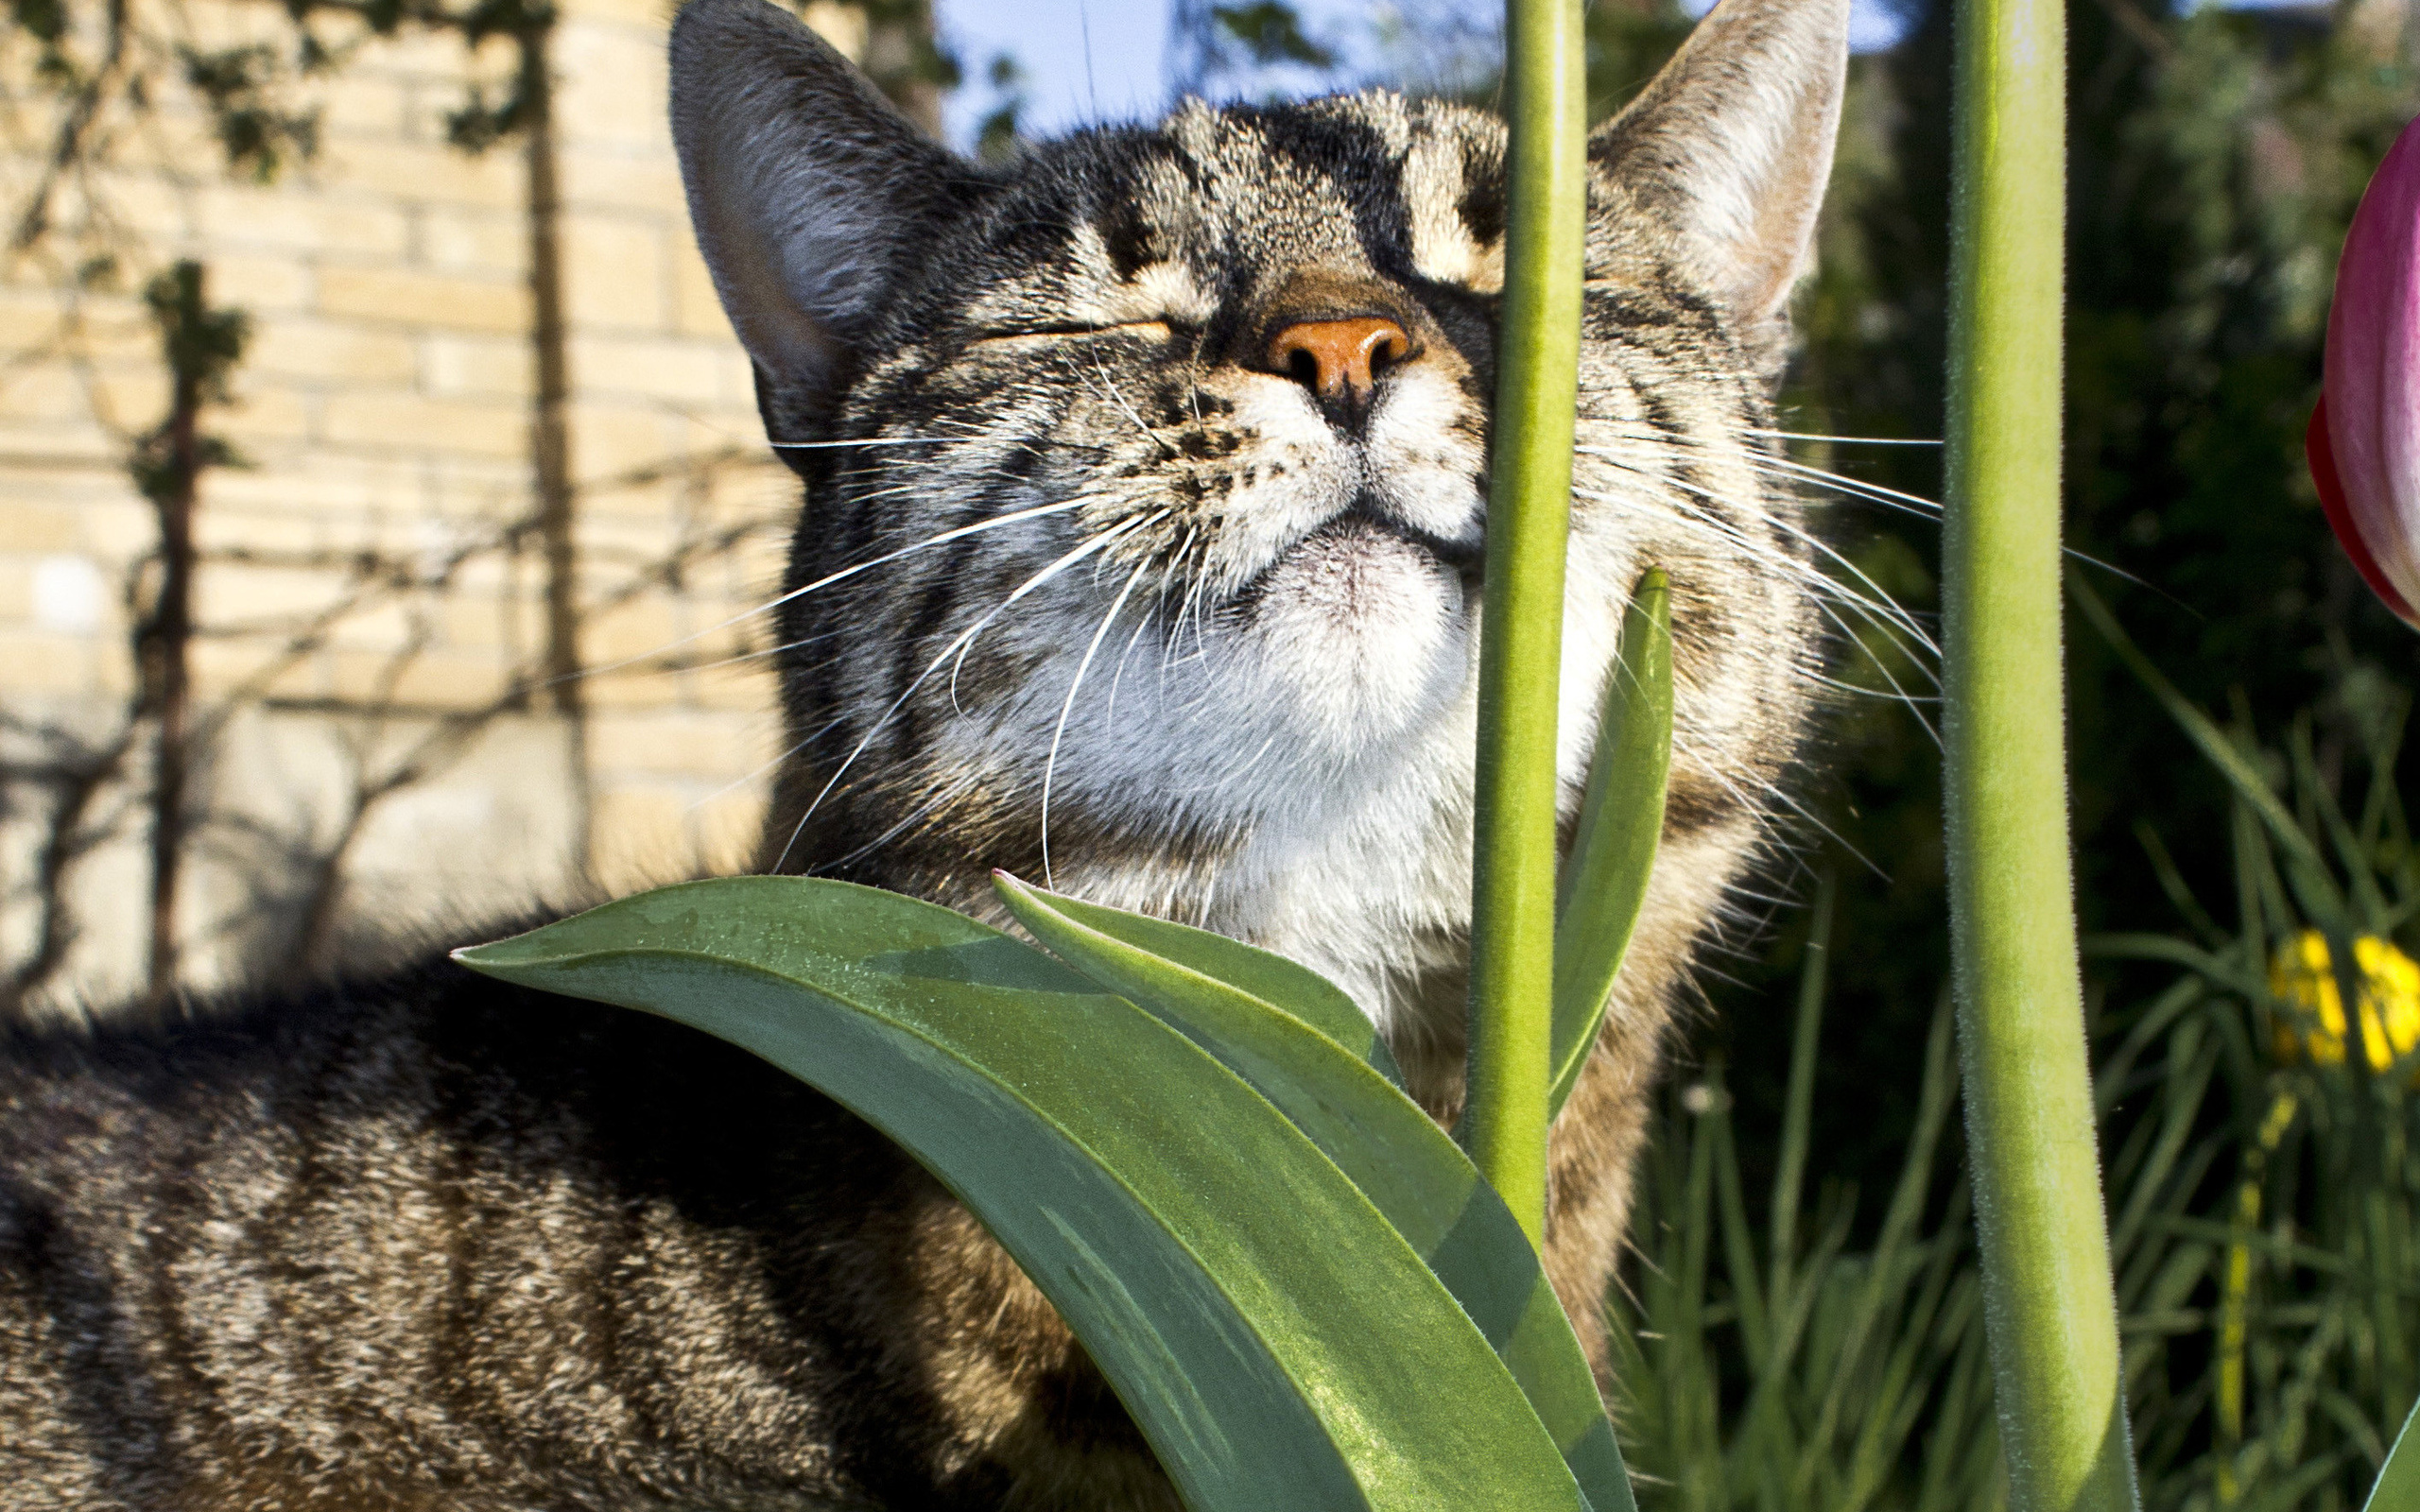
<point>1145,477</point>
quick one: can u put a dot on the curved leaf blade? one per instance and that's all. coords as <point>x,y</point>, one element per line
<point>2399,1482</point>
<point>1604,883</point>
<point>1419,1180</point>
<point>1276,1342</point>
<point>1263,974</point>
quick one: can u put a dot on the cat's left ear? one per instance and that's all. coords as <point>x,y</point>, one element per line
<point>810,195</point>
<point>1731,147</point>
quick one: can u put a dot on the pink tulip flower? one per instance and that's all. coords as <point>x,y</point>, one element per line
<point>2364,438</point>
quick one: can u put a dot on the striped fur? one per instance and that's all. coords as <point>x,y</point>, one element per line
<point>1085,587</point>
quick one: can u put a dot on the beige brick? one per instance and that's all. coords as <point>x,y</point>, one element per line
<point>396,421</point>
<point>233,597</point>
<point>121,528</point>
<point>610,440</point>
<point>648,17</point>
<point>839,22</point>
<point>428,173</point>
<point>483,240</point>
<point>495,366</point>
<point>645,626</point>
<point>614,273</point>
<point>38,527</point>
<point>260,284</point>
<point>611,88</point>
<point>221,24</point>
<point>641,836</point>
<point>631,688</point>
<point>725,829</point>
<point>366,101</point>
<point>707,747</point>
<point>110,333</point>
<point>29,318</point>
<point>265,667</point>
<point>136,398</point>
<point>736,393</point>
<point>697,310</point>
<point>472,497</point>
<point>385,625</point>
<point>329,490</point>
<point>49,392</point>
<point>221,525</point>
<point>616,540</point>
<point>152,207</point>
<point>292,218</point>
<point>262,412</point>
<point>613,181</point>
<point>647,367</point>
<point>436,679</point>
<point>305,347</point>
<point>43,327</point>
<point>408,296</point>
<point>40,662</point>
<point>473,621</point>
<point>742,685</point>
<point>17,589</point>
<point>439,55</point>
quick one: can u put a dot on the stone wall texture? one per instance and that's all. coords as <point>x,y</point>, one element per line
<point>369,590</point>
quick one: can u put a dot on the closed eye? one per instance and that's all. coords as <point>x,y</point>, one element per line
<point>1154,330</point>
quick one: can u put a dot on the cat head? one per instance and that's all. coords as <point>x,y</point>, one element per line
<point>1147,472</point>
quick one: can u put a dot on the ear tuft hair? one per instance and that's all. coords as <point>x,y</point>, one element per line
<point>806,188</point>
<point>1732,145</point>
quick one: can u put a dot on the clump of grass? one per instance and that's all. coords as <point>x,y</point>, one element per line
<point>1763,1364</point>
<point>2269,1267</point>
<point>2262,1190</point>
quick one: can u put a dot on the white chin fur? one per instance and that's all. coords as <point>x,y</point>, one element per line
<point>1361,637</point>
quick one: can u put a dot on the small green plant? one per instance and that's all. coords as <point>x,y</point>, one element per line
<point>1180,1138</point>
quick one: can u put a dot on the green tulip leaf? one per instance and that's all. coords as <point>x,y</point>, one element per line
<point>1262,975</point>
<point>2399,1482</point>
<point>1604,882</point>
<point>1415,1175</point>
<point>1275,1340</point>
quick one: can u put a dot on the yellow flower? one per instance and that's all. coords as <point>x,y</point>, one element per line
<point>2300,975</point>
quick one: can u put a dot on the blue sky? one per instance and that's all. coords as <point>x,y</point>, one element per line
<point>1087,60</point>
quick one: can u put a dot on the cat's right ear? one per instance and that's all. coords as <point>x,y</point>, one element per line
<point>1729,147</point>
<point>807,190</point>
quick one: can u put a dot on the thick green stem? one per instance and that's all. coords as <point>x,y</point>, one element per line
<point>2049,1305</point>
<point>1529,514</point>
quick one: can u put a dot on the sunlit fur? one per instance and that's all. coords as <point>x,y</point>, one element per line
<point>1087,585</point>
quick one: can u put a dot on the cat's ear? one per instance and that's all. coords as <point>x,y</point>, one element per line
<point>1731,145</point>
<point>807,190</point>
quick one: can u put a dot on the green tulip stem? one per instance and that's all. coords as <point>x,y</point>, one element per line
<point>1529,515</point>
<point>2049,1305</point>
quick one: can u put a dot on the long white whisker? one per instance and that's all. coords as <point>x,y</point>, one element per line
<point>1914,504</point>
<point>1099,543</point>
<point>1789,566</point>
<point>965,639</point>
<point>871,440</point>
<point>1855,441</point>
<point>930,541</point>
<point>1050,764</point>
<point>1904,696</point>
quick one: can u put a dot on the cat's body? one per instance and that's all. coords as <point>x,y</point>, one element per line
<point>1165,448</point>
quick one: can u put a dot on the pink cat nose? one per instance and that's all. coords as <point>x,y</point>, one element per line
<point>1338,358</point>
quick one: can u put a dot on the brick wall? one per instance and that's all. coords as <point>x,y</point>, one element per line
<point>363,595</point>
